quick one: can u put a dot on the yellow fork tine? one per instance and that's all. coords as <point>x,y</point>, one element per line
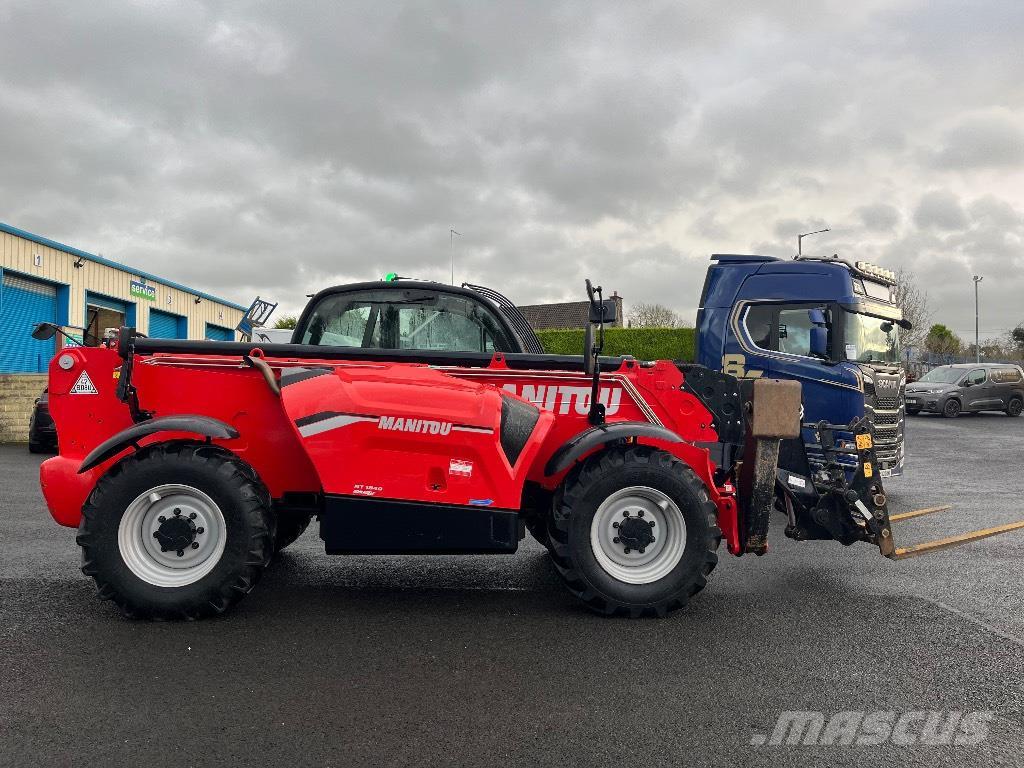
<point>953,541</point>
<point>919,513</point>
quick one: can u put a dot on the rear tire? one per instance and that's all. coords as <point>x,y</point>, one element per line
<point>951,409</point>
<point>1014,407</point>
<point>672,561</point>
<point>176,531</point>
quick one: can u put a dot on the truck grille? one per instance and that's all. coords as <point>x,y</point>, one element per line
<point>887,415</point>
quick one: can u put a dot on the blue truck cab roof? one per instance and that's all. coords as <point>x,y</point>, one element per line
<point>750,277</point>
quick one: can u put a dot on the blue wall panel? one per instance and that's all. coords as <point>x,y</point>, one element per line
<point>23,303</point>
<point>217,333</point>
<point>164,325</point>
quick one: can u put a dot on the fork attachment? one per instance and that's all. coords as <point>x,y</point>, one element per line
<point>901,553</point>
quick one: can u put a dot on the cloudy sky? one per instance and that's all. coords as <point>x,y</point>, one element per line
<point>273,148</point>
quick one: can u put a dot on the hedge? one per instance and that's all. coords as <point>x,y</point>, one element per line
<point>641,343</point>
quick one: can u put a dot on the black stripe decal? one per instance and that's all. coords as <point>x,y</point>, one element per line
<point>295,375</point>
<point>323,415</point>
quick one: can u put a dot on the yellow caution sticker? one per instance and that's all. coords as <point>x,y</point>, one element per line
<point>863,442</point>
<point>868,471</point>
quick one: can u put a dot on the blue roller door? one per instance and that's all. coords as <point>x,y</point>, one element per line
<point>217,333</point>
<point>164,325</point>
<point>23,303</point>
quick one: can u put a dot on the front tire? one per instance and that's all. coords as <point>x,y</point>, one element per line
<point>605,548</point>
<point>951,409</point>
<point>176,531</point>
<point>1014,407</point>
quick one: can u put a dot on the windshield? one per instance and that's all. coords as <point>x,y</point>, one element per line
<point>942,375</point>
<point>870,339</point>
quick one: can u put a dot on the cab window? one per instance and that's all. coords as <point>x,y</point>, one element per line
<point>758,322</point>
<point>410,319</point>
<point>795,332</point>
<point>782,328</point>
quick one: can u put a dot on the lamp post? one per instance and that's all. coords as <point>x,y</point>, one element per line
<point>799,240</point>
<point>977,346</point>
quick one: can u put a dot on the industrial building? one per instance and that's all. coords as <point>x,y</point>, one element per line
<point>43,280</point>
<point>86,294</point>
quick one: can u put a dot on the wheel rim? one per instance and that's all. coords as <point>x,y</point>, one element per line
<point>1015,407</point>
<point>952,408</point>
<point>177,516</point>
<point>616,528</point>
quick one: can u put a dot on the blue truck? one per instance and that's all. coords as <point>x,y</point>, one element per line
<point>830,324</point>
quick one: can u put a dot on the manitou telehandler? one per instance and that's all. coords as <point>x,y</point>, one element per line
<point>186,464</point>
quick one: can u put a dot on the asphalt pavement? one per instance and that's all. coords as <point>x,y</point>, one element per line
<point>485,661</point>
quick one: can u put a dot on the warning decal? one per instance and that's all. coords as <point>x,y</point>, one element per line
<point>460,467</point>
<point>84,386</point>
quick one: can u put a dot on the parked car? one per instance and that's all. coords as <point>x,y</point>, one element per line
<point>968,388</point>
<point>42,432</point>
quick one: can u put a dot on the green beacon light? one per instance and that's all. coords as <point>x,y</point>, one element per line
<point>390,277</point>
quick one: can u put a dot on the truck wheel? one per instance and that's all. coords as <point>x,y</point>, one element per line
<point>289,528</point>
<point>176,531</point>
<point>635,533</point>
<point>951,409</point>
<point>1014,407</point>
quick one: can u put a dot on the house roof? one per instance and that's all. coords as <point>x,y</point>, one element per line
<point>566,314</point>
<point>569,314</point>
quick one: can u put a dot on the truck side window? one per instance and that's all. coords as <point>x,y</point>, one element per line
<point>758,322</point>
<point>794,332</point>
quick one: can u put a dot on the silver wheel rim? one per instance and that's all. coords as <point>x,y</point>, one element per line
<point>657,559</point>
<point>141,551</point>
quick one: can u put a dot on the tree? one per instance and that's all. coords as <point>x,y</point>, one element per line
<point>652,316</point>
<point>909,297</point>
<point>288,321</point>
<point>1017,337</point>
<point>942,341</point>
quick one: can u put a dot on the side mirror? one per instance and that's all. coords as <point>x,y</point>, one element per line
<point>816,316</point>
<point>819,341</point>
<point>588,350</point>
<point>603,312</point>
<point>44,331</point>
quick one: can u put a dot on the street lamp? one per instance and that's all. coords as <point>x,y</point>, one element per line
<point>977,347</point>
<point>799,239</point>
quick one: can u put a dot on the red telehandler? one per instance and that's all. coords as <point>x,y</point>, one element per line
<point>186,464</point>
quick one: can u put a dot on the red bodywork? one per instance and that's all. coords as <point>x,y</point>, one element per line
<point>399,431</point>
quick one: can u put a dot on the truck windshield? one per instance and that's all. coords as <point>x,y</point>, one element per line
<point>870,339</point>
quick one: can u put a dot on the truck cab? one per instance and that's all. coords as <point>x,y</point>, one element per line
<point>829,324</point>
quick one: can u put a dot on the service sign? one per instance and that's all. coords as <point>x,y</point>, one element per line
<point>143,291</point>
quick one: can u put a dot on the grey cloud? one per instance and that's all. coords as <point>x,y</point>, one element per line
<point>244,148</point>
<point>995,141</point>
<point>879,217</point>
<point>940,210</point>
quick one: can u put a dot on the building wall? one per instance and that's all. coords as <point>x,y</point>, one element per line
<point>19,255</point>
<point>18,395</point>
